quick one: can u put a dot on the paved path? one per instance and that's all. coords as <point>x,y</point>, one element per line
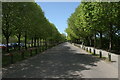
<point>62,61</point>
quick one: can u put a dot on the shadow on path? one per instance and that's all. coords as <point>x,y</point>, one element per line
<point>62,61</point>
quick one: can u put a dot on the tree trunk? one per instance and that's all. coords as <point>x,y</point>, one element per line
<point>25,40</point>
<point>32,42</point>
<point>101,40</point>
<point>35,42</point>
<point>19,41</point>
<point>7,41</point>
<point>110,38</point>
<point>90,41</point>
<point>95,40</point>
<point>87,41</point>
<point>38,42</point>
<point>46,43</point>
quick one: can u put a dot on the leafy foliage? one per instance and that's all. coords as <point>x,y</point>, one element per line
<point>27,20</point>
<point>95,21</point>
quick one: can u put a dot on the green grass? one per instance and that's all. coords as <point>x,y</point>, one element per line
<point>17,55</point>
<point>97,55</point>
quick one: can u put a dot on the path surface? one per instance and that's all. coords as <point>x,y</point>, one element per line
<point>62,61</point>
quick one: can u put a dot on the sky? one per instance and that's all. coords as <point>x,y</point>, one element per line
<point>58,12</point>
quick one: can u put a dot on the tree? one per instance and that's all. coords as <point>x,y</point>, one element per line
<point>95,20</point>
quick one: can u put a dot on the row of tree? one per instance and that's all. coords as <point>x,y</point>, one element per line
<point>26,19</point>
<point>96,24</point>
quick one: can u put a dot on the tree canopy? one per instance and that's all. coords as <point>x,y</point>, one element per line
<point>26,19</point>
<point>96,24</point>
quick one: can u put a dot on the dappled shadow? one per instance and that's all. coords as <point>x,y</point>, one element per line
<point>61,61</point>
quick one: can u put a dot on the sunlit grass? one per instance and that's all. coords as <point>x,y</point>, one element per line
<point>96,55</point>
<point>6,60</point>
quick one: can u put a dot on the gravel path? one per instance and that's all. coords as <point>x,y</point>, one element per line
<point>62,61</point>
